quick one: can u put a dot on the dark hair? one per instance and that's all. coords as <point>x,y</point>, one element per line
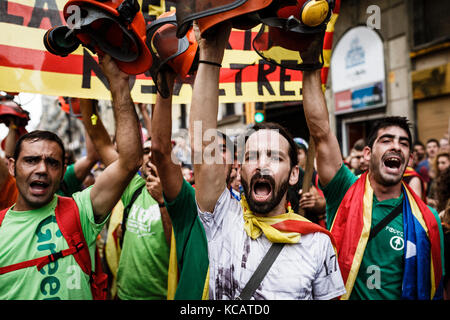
<point>186,165</point>
<point>281,130</point>
<point>433,140</point>
<point>228,142</point>
<point>359,145</point>
<point>37,135</point>
<point>418,143</point>
<point>401,122</point>
<point>443,189</point>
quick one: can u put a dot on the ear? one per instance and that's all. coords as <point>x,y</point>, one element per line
<point>11,166</point>
<point>293,177</point>
<point>411,157</point>
<point>367,153</point>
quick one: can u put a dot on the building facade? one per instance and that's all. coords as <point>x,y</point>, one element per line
<point>415,38</point>
<point>404,47</point>
<point>408,72</point>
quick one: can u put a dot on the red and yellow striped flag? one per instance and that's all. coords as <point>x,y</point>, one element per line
<point>26,66</point>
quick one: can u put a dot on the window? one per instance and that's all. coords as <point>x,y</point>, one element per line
<point>430,22</point>
<point>229,109</point>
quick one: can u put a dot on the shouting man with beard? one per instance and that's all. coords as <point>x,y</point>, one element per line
<point>240,234</point>
<point>389,242</point>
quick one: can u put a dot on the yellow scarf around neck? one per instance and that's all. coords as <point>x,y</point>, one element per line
<point>255,225</point>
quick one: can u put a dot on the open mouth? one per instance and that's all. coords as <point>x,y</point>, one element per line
<point>392,163</point>
<point>38,187</point>
<point>262,190</point>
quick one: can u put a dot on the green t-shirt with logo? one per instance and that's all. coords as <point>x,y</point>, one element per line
<point>144,261</point>
<point>380,275</point>
<point>26,235</point>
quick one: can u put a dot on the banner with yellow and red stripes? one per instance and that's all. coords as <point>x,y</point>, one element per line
<point>26,66</point>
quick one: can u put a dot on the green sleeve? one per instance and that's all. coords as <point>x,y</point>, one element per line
<point>91,229</point>
<point>134,184</point>
<point>70,183</point>
<point>335,191</point>
<point>183,213</point>
<point>191,243</point>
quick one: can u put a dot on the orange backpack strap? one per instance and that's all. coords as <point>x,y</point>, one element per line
<point>3,214</point>
<point>42,261</point>
<point>68,219</point>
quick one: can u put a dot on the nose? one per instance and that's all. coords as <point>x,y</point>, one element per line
<point>263,161</point>
<point>41,167</point>
<point>396,144</point>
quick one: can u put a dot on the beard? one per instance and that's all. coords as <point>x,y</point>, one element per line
<point>275,198</point>
<point>384,178</point>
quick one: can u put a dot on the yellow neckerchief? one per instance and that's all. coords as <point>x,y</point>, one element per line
<point>255,225</point>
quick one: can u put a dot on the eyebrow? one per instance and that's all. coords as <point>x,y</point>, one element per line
<point>48,159</point>
<point>391,136</point>
<point>279,152</point>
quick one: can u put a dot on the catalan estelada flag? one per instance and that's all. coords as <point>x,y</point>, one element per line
<point>423,267</point>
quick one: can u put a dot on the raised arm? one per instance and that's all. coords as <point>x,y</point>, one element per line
<point>110,185</point>
<point>146,117</point>
<point>169,172</point>
<point>99,137</point>
<point>11,137</point>
<point>328,153</point>
<point>84,165</point>
<point>209,182</point>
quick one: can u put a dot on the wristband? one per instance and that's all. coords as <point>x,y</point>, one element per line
<point>161,205</point>
<point>210,63</point>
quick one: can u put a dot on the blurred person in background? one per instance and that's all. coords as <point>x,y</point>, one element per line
<point>439,165</point>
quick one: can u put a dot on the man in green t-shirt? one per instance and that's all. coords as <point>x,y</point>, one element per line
<point>143,266</point>
<point>73,177</point>
<point>142,272</point>
<point>376,270</point>
<point>29,229</point>
<point>190,237</point>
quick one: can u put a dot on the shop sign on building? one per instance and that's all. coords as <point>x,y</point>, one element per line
<point>358,71</point>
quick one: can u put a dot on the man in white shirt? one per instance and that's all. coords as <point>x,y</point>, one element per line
<point>240,233</point>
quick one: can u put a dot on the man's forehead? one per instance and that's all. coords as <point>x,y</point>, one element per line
<point>394,131</point>
<point>267,139</point>
<point>40,147</point>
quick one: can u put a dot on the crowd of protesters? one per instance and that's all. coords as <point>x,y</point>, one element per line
<point>374,225</point>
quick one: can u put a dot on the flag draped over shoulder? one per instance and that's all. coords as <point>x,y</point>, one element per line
<point>284,228</point>
<point>423,261</point>
<point>422,275</point>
